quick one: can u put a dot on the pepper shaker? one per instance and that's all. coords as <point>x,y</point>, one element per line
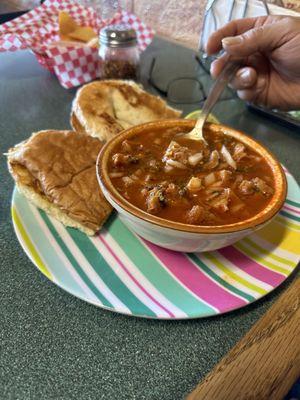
<point>119,53</point>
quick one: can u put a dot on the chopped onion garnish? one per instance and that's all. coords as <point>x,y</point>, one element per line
<point>228,157</point>
<point>168,168</point>
<point>127,180</point>
<point>213,195</point>
<point>237,208</point>
<point>210,179</point>
<point>116,174</point>
<point>173,147</point>
<point>195,158</point>
<point>175,164</point>
<point>218,183</point>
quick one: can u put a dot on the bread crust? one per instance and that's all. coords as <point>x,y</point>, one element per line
<point>104,108</point>
<point>55,170</point>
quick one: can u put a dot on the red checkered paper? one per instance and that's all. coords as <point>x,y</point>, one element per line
<point>37,30</point>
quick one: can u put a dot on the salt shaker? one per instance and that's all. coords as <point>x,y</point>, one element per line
<point>119,53</point>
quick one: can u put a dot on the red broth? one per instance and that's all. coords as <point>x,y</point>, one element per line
<point>186,181</point>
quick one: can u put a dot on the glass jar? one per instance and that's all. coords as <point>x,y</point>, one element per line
<point>119,53</point>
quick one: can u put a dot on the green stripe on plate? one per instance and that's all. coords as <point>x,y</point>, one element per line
<point>218,279</point>
<point>289,215</point>
<point>39,235</point>
<point>73,261</point>
<point>293,203</point>
<point>155,273</point>
<point>108,276</point>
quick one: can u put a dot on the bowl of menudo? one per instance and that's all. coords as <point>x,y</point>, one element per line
<point>188,195</point>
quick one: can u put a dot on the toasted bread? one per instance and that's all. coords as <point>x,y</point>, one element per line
<point>55,170</point>
<point>104,108</point>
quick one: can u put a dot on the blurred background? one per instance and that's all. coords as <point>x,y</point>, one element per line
<point>8,6</point>
<point>178,20</point>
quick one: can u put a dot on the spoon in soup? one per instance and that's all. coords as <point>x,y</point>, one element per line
<point>215,92</point>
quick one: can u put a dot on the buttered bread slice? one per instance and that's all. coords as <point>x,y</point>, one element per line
<point>103,108</point>
<point>56,171</point>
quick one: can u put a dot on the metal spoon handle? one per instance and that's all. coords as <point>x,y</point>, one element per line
<point>216,90</point>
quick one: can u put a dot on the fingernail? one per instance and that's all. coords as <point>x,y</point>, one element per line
<point>245,75</point>
<point>213,67</point>
<point>232,41</point>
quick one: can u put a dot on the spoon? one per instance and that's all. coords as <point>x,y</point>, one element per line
<point>216,90</point>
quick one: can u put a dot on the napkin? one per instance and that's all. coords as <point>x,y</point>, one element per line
<point>38,31</point>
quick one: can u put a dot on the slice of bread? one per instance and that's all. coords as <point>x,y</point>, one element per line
<point>104,108</point>
<point>55,170</point>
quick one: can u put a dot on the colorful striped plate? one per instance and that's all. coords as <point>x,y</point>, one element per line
<point>119,271</point>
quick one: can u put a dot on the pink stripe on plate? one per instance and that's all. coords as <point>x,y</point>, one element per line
<point>133,278</point>
<point>195,280</point>
<point>295,210</point>
<point>251,267</point>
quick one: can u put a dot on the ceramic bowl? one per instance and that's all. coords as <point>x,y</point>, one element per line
<point>179,236</point>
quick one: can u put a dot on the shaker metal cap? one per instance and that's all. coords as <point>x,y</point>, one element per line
<point>120,35</point>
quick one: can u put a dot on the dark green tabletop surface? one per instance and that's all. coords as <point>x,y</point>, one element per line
<point>55,346</point>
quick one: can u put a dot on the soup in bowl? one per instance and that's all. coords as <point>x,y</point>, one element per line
<point>190,195</point>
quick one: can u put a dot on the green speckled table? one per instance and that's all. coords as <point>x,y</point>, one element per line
<point>55,346</point>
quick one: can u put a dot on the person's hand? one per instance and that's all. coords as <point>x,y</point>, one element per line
<point>269,48</point>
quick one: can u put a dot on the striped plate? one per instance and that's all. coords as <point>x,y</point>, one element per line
<point>119,271</point>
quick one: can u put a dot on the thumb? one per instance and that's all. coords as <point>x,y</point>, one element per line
<point>261,39</point>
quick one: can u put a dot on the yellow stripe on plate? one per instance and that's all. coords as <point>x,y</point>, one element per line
<point>30,247</point>
<point>267,252</point>
<point>281,236</point>
<point>234,276</point>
